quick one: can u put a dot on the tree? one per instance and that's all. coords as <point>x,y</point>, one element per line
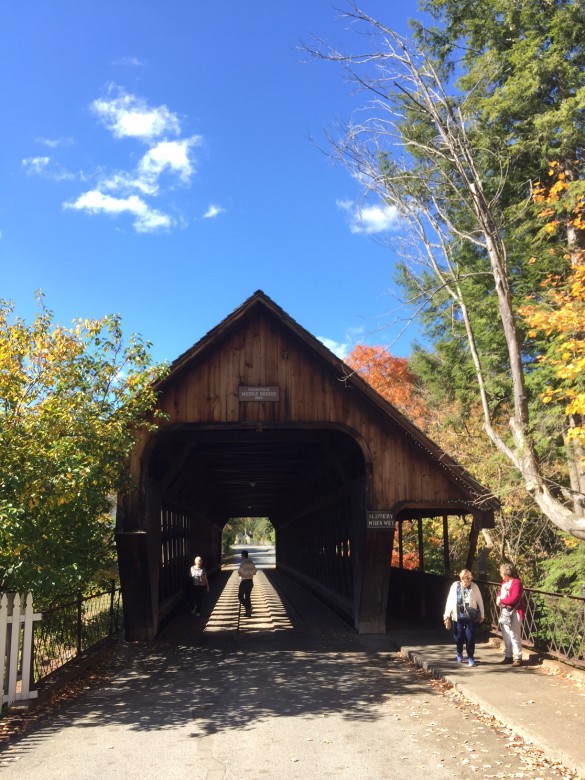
<point>440,151</point>
<point>260,529</point>
<point>558,312</point>
<point>391,377</point>
<point>72,401</point>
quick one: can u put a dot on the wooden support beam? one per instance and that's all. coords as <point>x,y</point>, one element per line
<point>473,537</point>
<point>400,545</point>
<point>446,552</point>
<point>421,549</point>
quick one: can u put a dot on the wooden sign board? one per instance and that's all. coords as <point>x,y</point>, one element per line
<point>380,519</point>
<point>258,393</point>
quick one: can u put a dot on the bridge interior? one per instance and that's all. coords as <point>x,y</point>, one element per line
<point>260,472</point>
<point>308,482</point>
<point>284,612</point>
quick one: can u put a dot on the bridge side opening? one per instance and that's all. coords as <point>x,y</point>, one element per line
<point>425,559</point>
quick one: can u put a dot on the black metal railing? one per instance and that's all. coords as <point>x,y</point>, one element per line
<point>554,623</point>
<point>72,628</point>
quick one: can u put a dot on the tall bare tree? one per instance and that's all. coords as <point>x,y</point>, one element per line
<point>418,146</point>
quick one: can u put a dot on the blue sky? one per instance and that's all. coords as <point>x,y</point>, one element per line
<point>162,161</point>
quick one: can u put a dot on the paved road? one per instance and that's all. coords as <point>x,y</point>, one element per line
<point>290,693</point>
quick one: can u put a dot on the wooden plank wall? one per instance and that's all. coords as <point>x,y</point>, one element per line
<point>261,352</point>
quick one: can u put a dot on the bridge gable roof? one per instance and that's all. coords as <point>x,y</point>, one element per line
<point>260,302</point>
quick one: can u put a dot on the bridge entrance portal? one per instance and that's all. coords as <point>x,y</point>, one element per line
<point>261,419</point>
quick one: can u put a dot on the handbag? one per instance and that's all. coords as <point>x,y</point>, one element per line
<point>472,614</point>
<point>505,618</point>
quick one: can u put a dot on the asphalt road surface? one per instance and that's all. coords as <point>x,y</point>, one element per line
<point>289,694</point>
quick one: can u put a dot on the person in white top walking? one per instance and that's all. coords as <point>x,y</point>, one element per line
<point>199,585</point>
<point>246,573</point>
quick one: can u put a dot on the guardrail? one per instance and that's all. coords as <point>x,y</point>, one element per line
<point>70,629</point>
<point>554,623</point>
<point>31,654</point>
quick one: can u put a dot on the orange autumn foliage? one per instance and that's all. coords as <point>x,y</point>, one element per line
<point>391,377</point>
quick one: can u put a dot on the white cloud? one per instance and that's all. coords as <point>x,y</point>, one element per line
<point>369,219</point>
<point>128,116</point>
<point>147,219</point>
<point>172,157</point>
<point>169,156</point>
<point>339,349</point>
<point>129,62</point>
<point>167,159</point>
<point>213,211</point>
<point>342,348</point>
<point>44,166</point>
<point>36,165</point>
<point>53,143</point>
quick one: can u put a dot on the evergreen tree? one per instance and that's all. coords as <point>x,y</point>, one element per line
<point>462,120</point>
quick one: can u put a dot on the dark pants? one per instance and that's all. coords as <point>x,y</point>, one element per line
<point>197,592</point>
<point>244,592</point>
<point>464,633</point>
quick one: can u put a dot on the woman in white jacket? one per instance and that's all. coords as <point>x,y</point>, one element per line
<point>464,598</point>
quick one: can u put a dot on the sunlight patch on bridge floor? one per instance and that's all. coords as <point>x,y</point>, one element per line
<point>268,611</point>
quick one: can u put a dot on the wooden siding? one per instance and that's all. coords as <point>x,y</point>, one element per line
<point>262,352</point>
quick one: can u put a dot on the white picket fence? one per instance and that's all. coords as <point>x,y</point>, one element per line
<point>16,644</point>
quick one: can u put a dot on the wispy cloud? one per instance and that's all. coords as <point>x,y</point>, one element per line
<point>171,156</point>
<point>146,219</point>
<point>44,166</point>
<point>128,116</point>
<point>341,349</point>
<point>213,211</point>
<point>36,165</point>
<point>369,219</point>
<point>53,143</point>
<point>128,62</point>
<point>167,162</point>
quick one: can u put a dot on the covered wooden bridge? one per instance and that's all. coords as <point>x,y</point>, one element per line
<point>262,420</point>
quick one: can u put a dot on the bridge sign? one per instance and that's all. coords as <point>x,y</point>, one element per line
<point>380,519</point>
<point>258,393</point>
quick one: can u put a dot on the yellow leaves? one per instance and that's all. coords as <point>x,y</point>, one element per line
<point>559,313</point>
<point>548,212</point>
<point>547,397</point>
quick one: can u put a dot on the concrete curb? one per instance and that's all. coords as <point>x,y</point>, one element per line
<point>535,738</point>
